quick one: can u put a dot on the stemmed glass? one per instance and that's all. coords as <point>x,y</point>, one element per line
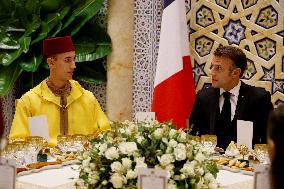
<point>261,152</point>
<point>196,138</point>
<point>16,139</point>
<point>79,142</point>
<point>8,151</point>
<point>209,142</point>
<point>35,144</point>
<point>64,143</point>
<point>21,153</point>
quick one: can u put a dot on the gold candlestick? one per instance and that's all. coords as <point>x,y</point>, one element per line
<point>243,150</point>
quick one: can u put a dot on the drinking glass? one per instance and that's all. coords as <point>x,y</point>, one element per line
<point>196,138</point>
<point>79,142</point>
<point>65,143</point>
<point>261,152</point>
<point>16,139</point>
<point>8,151</point>
<point>209,142</point>
<point>35,144</point>
<point>21,153</point>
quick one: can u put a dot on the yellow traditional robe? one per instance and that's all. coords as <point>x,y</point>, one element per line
<point>85,115</point>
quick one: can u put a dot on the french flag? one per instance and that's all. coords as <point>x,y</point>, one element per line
<point>174,90</point>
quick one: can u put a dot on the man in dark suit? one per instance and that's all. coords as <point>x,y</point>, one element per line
<point>217,108</point>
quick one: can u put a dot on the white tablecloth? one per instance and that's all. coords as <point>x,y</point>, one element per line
<point>229,180</point>
<point>64,178</point>
<point>61,178</point>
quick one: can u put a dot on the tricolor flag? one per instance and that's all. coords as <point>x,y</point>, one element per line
<point>174,90</point>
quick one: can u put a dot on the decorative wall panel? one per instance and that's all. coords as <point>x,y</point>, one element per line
<point>256,26</point>
<point>147,20</point>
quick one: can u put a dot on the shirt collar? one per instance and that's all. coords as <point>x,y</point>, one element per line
<point>43,90</point>
<point>234,91</point>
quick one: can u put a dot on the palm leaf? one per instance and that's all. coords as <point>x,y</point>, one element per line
<point>81,15</point>
<point>30,63</point>
<point>8,76</point>
<point>24,24</point>
<point>90,47</point>
<point>7,42</point>
<point>90,72</point>
<point>7,57</point>
<point>101,51</point>
<point>50,22</point>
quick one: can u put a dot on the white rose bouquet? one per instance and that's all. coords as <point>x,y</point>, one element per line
<point>115,156</point>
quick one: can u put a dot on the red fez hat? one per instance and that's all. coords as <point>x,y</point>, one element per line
<point>56,45</point>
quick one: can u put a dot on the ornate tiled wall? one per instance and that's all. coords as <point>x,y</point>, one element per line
<point>147,20</point>
<point>256,26</point>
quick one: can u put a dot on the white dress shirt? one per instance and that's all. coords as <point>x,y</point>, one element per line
<point>233,99</point>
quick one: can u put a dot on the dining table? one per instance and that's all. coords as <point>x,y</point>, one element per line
<point>65,177</point>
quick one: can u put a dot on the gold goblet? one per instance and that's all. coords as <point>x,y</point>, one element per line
<point>195,138</point>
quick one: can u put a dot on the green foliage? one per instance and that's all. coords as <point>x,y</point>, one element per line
<point>25,23</point>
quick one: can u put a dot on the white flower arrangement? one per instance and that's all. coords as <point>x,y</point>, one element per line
<point>115,156</point>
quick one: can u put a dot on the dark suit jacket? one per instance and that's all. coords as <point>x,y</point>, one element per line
<point>254,104</point>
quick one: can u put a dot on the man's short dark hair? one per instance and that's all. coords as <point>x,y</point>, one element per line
<point>235,54</point>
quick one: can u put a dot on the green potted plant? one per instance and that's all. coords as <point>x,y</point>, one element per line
<point>25,23</point>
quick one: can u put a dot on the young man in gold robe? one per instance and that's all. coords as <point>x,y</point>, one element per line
<point>69,108</point>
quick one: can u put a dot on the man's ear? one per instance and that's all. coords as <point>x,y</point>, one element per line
<point>237,72</point>
<point>50,61</point>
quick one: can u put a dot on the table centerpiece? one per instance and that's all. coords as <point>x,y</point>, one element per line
<point>115,156</point>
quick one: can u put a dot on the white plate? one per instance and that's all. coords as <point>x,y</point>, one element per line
<point>221,166</point>
<point>24,173</point>
<point>247,172</point>
<point>35,170</point>
<point>231,169</point>
<point>51,167</point>
<point>71,162</point>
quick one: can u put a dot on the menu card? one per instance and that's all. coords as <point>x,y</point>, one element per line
<point>245,133</point>
<point>150,178</point>
<point>7,175</point>
<point>39,126</point>
<point>144,116</point>
<point>261,177</point>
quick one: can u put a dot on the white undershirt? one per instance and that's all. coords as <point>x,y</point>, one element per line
<point>233,99</point>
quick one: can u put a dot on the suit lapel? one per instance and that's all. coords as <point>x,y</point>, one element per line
<point>242,98</point>
<point>214,109</point>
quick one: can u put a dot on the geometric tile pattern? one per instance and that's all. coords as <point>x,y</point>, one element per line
<point>250,71</point>
<point>234,32</point>
<point>204,16</point>
<point>248,3</point>
<point>256,26</point>
<point>223,3</point>
<point>203,45</point>
<point>147,25</point>
<point>266,48</point>
<point>267,17</point>
<point>198,71</point>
